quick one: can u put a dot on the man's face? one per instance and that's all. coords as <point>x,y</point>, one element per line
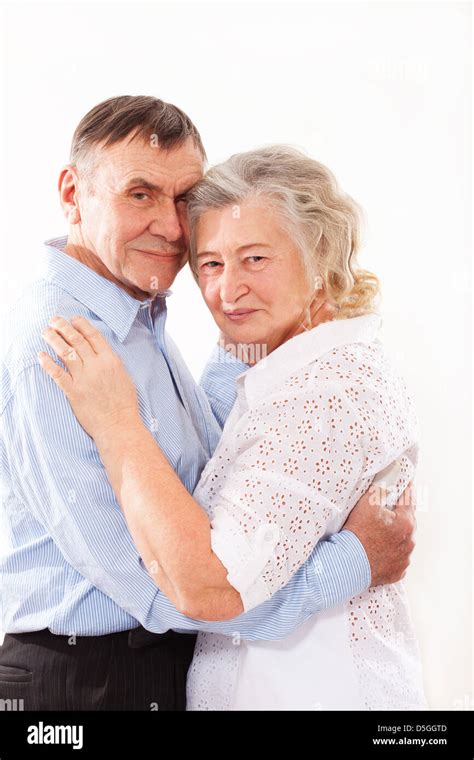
<point>132,214</point>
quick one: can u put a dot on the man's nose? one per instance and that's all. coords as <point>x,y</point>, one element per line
<point>166,222</point>
<point>232,285</point>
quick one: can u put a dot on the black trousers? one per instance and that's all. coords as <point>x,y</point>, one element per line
<point>130,670</point>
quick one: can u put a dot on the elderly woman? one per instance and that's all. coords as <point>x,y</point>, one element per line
<point>272,240</point>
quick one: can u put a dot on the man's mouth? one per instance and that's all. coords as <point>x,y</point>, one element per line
<point>161,254</point>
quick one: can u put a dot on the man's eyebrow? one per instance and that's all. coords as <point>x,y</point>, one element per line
<point>240,248</point>
<point>141,182</point>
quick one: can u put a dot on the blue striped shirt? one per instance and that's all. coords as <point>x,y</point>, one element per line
<point>69,563</point>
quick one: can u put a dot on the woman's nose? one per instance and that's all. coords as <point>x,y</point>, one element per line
<point>232,285</point>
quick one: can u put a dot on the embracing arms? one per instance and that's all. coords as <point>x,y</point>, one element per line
<point>170,529</point>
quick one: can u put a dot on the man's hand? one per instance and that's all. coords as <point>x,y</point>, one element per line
<point>386,534</point>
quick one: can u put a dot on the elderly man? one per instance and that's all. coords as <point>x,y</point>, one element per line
<point>87,628</point>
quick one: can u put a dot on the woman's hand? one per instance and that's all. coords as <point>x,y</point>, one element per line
<point>97,385</point>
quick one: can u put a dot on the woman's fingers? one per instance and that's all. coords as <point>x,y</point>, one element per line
<point>75,342</point>
<point>72,336</point>
<point>68,355</point>
<point>91,334</point>
<point>62,378</point>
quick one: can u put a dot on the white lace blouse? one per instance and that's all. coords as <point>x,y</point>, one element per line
<point>313,424</point>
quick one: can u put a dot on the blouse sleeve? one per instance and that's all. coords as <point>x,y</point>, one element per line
<point>301,462</point>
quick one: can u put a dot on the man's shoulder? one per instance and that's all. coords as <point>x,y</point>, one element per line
<point>23,324</point>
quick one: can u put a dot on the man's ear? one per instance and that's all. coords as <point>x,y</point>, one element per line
<point>68,186</point>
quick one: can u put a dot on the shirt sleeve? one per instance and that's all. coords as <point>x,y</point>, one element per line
<point>336,571</point>
<point>301,461</point>
<point>59,477</point>
<point>218,382</point>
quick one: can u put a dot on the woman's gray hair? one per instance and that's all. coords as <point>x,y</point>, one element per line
<point>323,221</point>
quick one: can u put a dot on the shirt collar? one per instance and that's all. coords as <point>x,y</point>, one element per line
<point>110,303</point>
<point>299,351</point>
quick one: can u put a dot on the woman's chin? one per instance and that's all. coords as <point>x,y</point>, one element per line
<point>242,336</point>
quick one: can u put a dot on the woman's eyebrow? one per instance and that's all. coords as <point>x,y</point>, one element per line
<point>207,253</point>
<point>237,250</point>
<point>252,245</point>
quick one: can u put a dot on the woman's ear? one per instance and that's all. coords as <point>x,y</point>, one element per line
<point>67,186</point>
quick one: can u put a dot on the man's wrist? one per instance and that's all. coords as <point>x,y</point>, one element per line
<point>362,569</point>
<point>341,569</point>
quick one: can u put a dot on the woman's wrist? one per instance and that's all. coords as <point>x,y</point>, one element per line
<point>115,431</point>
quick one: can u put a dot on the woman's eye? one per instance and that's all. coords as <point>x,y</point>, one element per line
<point>210,264</point>
<point>255,259</point>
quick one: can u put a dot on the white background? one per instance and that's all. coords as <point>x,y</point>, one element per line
<point>377,91</point>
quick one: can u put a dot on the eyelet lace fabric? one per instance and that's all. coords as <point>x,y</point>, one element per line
<point>292,462</point>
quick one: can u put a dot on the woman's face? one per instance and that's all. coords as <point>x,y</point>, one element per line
<point>251,274</point>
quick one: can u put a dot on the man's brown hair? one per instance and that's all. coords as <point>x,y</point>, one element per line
<point>135,115</point>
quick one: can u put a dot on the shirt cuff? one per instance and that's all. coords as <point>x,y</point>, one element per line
<point>218,381</point>
<point>341,569</point>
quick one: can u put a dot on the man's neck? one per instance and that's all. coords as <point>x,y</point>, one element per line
<point>86,257</point>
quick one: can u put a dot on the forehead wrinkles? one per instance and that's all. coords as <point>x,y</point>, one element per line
<point>219,228</point>
<point>169,171</point>
<point>218,240</point>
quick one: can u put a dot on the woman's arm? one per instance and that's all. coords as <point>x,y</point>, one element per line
<point>170,529</point>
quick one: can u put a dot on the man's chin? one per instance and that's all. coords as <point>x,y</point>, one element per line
<point>157,278</point>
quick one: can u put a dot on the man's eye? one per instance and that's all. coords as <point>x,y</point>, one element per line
<point>140,196</point>
<point>183,199</point>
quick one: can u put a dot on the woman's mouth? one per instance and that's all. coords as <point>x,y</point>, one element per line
<point>239,314</point>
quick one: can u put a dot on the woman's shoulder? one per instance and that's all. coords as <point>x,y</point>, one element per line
<point>361,375</point>
<point>358,364</point>
<point>358,380</point>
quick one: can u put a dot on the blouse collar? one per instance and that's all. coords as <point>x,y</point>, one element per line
<point>301,350</point>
